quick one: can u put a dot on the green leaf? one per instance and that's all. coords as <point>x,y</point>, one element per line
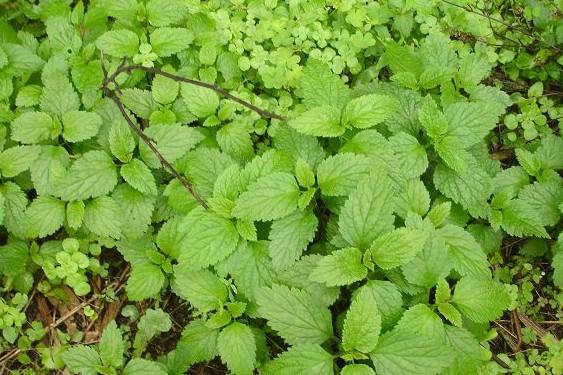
<point>465,253</point>
<point>200,101</point>
<point>82,360</point>
<point>451,313</point>
<point>164,90</point>
<point>289,236</point>
<point>139,176</point>
<point>237,348</point>
<point>520,219</point>
<point>203,289</point>
<point>48,169</point>
<point>398,247</point>
<point>338,175</point>
<point>270,197</point>
<point>430,265</point>
<point>401,59</point>
<point>145,281</point>
<point>420,319</point>
<point>102,217</point>
<point>121,141</point>
<point>409,154</point>
<point>200,340</point>
<point>44,216</point>
<point>414,198</point>
<point>15,202</point>
<point>79,125</point>
<point>342,267</point>
<point>209,239</point>
<point>368,211</point>
<point>142,366</point>
<point>448,148</point>
<point>166,12</point>
<point>235,140</point>
<point>13,258</point>
<point>319,122</point>
<point>301,360</point>
<point>92,175</point>
<point>118,43</point>
<point>32,127</point>
<point>357,369</point>
<point>140,102</point>
<point>388,298</point>
<point>166,41</point>
<point>368,110</point>
<point>400,352</point>
<point>362,324</point>
<point>294,314</point>
<point>467,351</point>
<point>321,87</point>
<point>154,322</point>
<point>470,122</point>
<point>17,159</point>
<point>112,346</point>
<point>135,210</point>
<point>22,59</point>
<point>544,197</point>
<point>172,140</point>
<point>481,300</point>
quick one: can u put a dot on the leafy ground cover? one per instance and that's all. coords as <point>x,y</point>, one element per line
<point>302,187</point>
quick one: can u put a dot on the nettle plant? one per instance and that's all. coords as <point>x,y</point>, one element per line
<point>319,227</point>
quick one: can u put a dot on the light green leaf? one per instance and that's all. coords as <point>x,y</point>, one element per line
<point>357,369</point>
<point>166,41</point>
<point>289,236</point>
<point>321,87</point>
<point>520,219</point>
<point>362,324</point>
<point>414,198</point>
<point>15,202</point>
<point>270,197</point>
<point>420,319</point>
<point>200,341</point>
<point>166,12</point>
<point>102,217</point>
<point>398,247</point>
<point>49,168</point>
<point>409,154</point>
<point>135,210</point>
<point>200,101</point>
<point>44,216</point>
<point>451,313</point>
<point>139,176</point>
<point>152,323</point>
<point>58,96</point>
<point>388,298</point>
<point>301,360</point>
<point>92,175</point>
<point>544,197</point>
<point>465,253</point>
<point>112,346</point>
<point>203,289</point>
<point>140,102</point>
<point>142,366</point>
<point>368,110</point>
<point>338,175</point>
<point>209,239</point>
<point>235,140</point>
<point>237,348</point>
<point>479,299</point>
<point>75,214</point>
<point>82,360</point>
<point>164,90</point>
<point>17,159</point>
<point>118,43</point>
<point>319,122</point>
<point>145,281</point>
<point>32,127</point>
<point>470,122</point>
<point>401,352</point>
<point>80,125</point>
<point>368,211</point>
<point>449,148</point>
<point>342,267</point>
<point>121,141</point>
<point>294,314</point>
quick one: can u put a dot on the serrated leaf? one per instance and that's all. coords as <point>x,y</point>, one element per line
<point>520,219</point>
<point>144,366</point>
<point>321,87</point>
<point>80,125</point>
<point>32,127</point>
<point>357,369</point>
<point>294,314</point>
<point>200,340</point>
<point>400,352</point>
<point>58,96</point>
<point>135,210</point>
<point>118,43</point>
<point>44,216</point>
<point>140,102</point>
<point>145,281</point>
<point>480,300</point>
<point>17,159</point>
<point>202,288</point>
<point>112,346</point>
<point>398,247</point>
<point>165,12</point>
<point>451,313</point>
<point>237,348</point>
<point>465,253</point>
<point>139,176</point>
<point>414,198</point>
<point>49,168</point>
<point>270,197</point>
<point>289,236</point>
<point>121,141</point>
<point>338,175</point>
<point>92,175</point>
<point>368,211</point>
<point>102,217</point>
<point>409,154</point>
<point>82,360</point>
<point>362,324</point>
<point>200,101</point>
<point>421,320</point>
<point>342,267</point>
<point>166,41</point>
<point>544,197</point>
<point>388,298</point>
<point>368,110</point>
<point>301,360</point>
<point>319,122</point>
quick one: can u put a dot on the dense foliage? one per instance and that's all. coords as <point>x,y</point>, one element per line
<point>288,187</point>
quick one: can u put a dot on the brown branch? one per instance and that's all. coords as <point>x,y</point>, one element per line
<point>219,90</point>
